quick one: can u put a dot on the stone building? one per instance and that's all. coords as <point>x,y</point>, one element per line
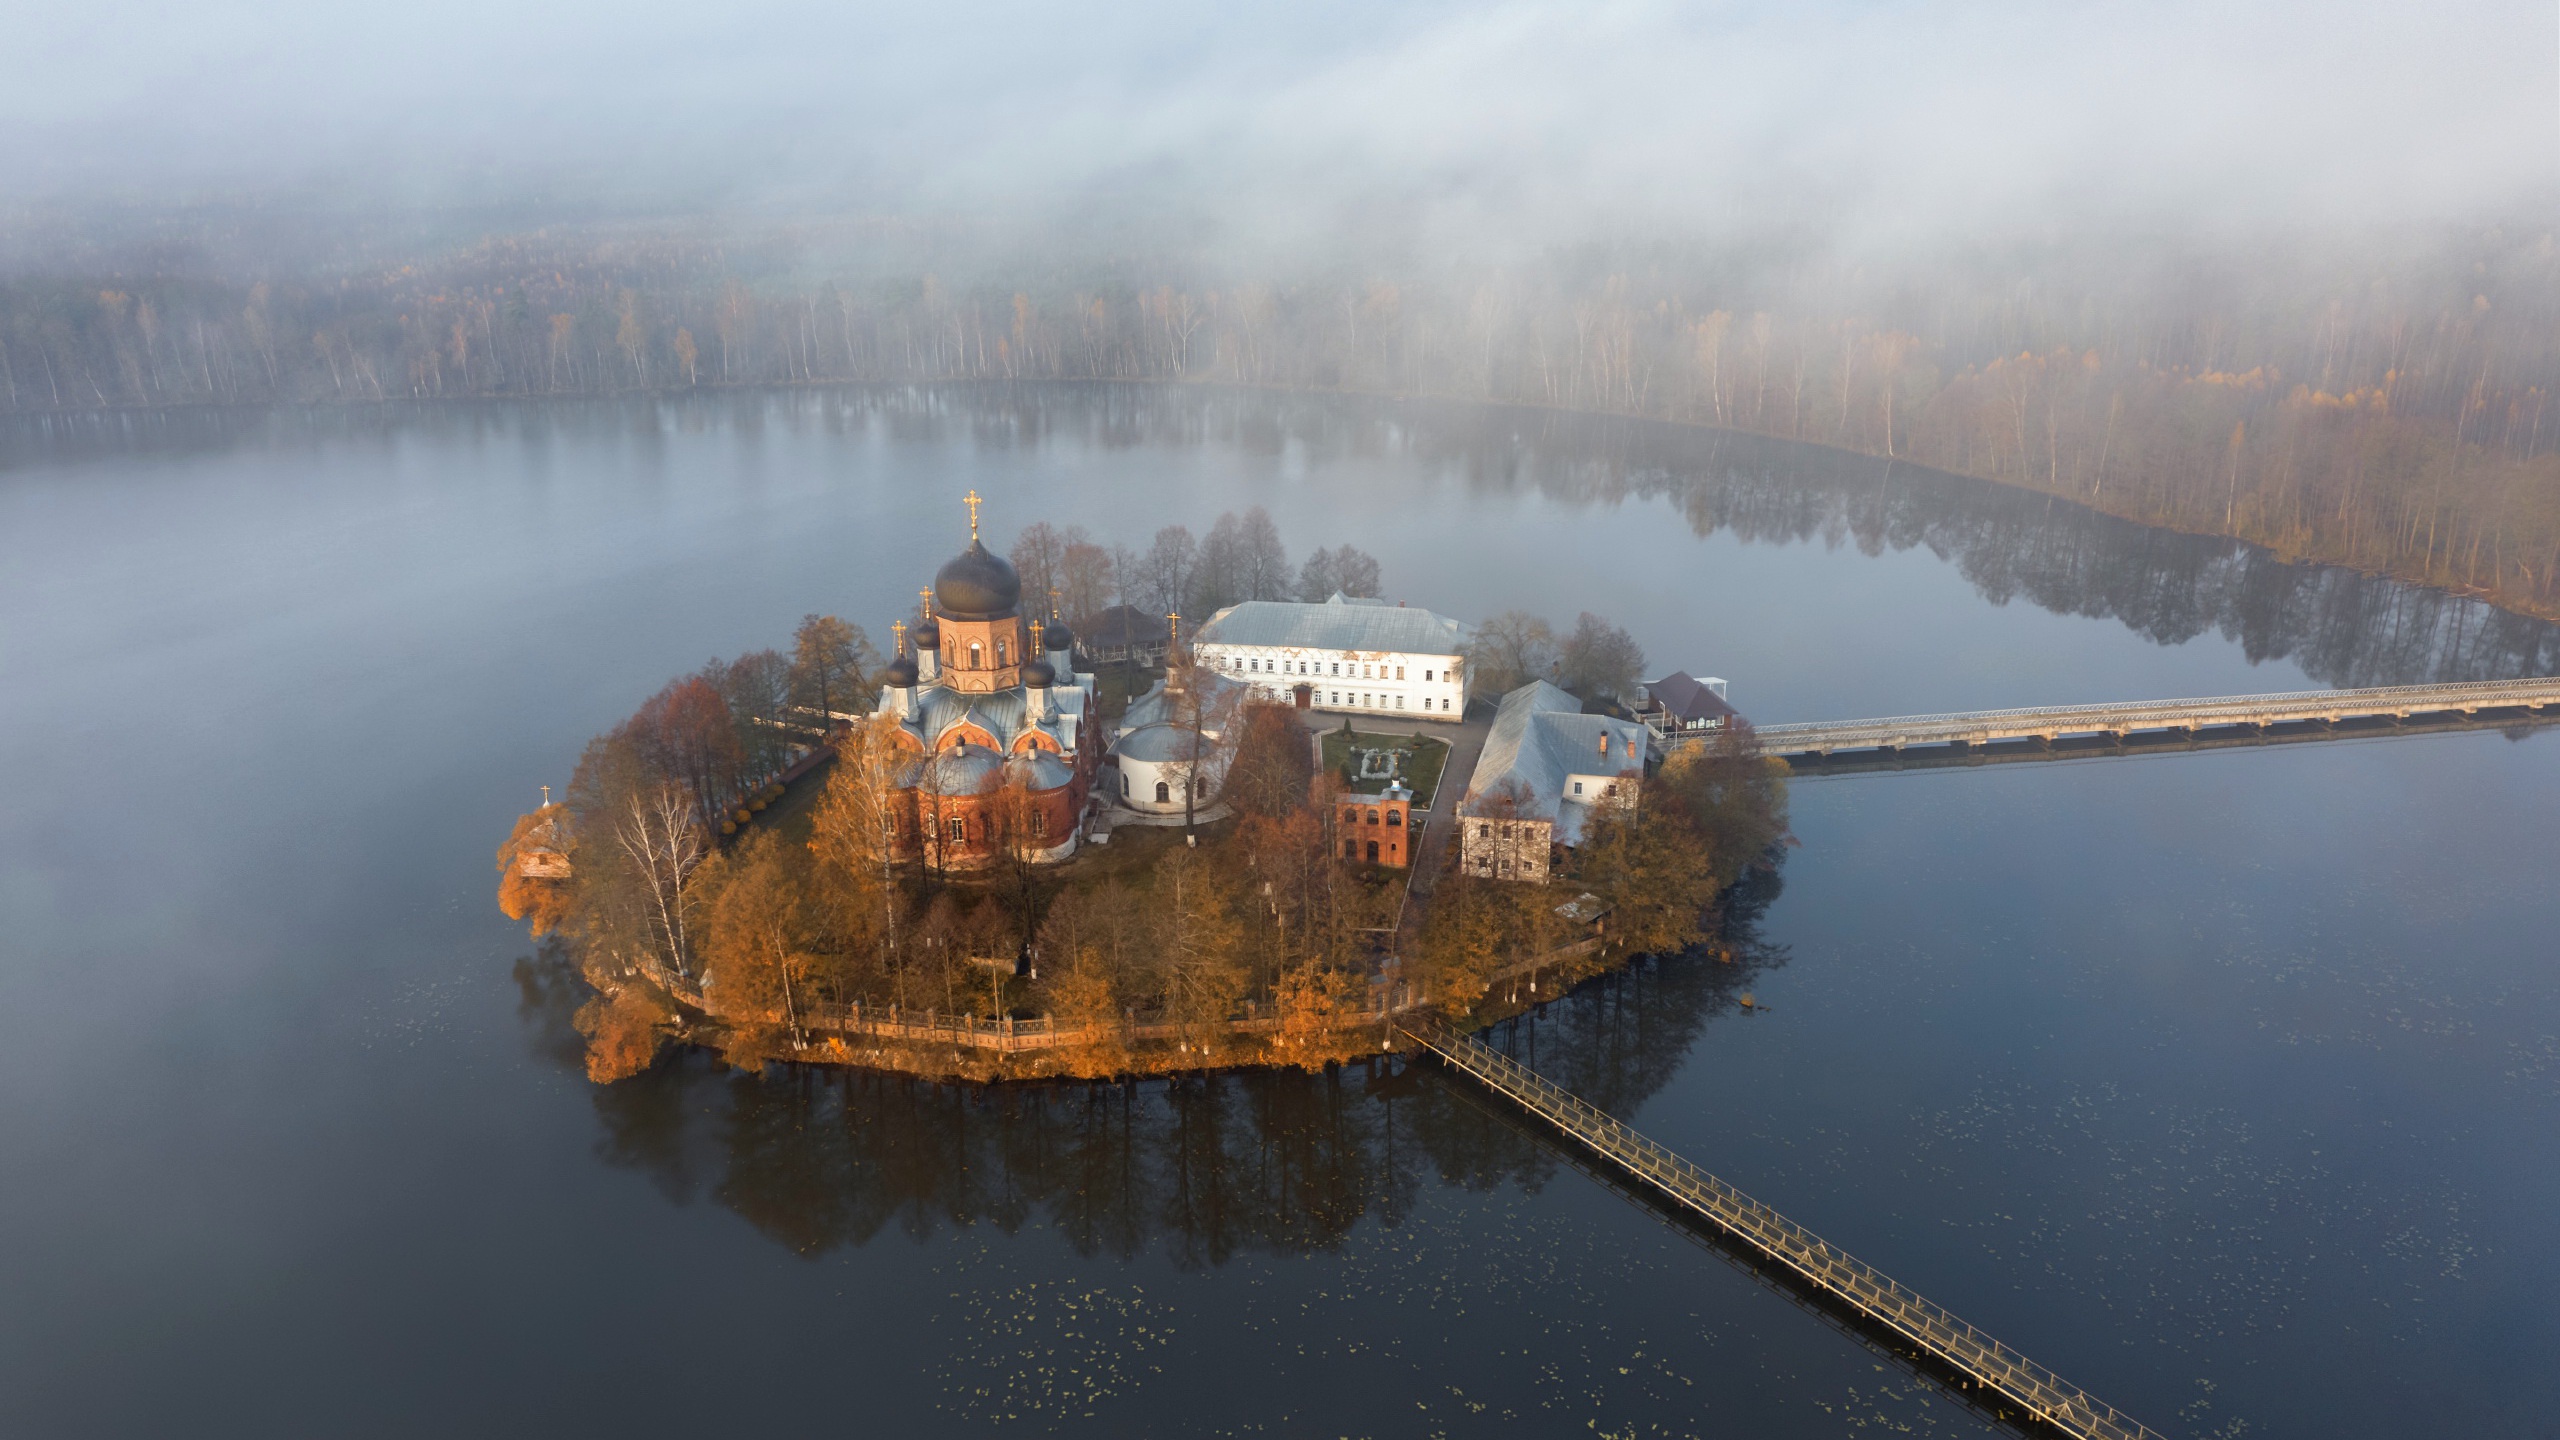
<point>995,719</point>
<point>1544,769</point>
<point>1170,739</point>
<point>1378,828</point>
<point>1351,654</point>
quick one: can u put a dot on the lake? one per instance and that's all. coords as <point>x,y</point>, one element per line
<point>2222,1083</point>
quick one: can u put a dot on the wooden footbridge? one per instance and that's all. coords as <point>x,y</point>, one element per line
<point>2307,713</point>
<point>1859,1286</point>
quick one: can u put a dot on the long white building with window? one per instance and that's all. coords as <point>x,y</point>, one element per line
<point>1360,656</point>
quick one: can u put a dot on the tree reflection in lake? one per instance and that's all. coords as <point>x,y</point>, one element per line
<point>2341,627</point>
<point>1204,1168</point>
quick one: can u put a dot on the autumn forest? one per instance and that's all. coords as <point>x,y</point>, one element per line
<point>2385,410</point>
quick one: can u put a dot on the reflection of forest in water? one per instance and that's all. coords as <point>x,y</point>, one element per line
<point>2343,628</point>
<point>1207,1167</point>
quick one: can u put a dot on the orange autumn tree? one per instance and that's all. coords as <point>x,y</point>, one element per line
<point>533,870</point>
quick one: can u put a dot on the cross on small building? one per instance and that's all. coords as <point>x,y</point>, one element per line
<point>973,502</point>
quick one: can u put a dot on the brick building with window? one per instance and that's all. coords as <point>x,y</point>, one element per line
<point>995,719</point>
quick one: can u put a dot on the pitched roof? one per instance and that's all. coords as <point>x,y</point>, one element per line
<point>1124,625</point>
<point>1683,696</point>
<point>1540,737</point>
<point>1341,623</point>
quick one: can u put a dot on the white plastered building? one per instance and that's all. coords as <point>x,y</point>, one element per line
<point>1350,654</point>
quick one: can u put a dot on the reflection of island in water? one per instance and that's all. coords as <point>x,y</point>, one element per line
<point>2343,628</point>
<point>1205,1168</point>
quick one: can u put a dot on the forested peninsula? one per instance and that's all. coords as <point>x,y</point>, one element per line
<point>726,870</point>
<point>2386,409</point>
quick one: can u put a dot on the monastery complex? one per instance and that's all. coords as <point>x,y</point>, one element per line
<point>1005,748</point>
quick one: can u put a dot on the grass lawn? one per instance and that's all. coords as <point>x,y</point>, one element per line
<point>1424,758</point>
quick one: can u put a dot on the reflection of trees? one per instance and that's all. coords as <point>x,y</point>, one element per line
<point>2342,627</point>
<point>1204,1168</point>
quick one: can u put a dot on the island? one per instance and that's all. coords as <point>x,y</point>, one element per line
<point>1276,838</point>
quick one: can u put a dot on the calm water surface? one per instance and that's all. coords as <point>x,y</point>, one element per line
<point>2223,1083</point>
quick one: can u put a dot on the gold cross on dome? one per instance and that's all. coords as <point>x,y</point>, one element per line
<point>926,596</point>
<point>973,502</point>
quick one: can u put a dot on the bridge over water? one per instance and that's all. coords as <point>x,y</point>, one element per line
<point>1865,1290</point>
<point>2238,719</point>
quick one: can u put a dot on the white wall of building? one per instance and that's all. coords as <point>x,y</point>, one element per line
<point>1354,681</point>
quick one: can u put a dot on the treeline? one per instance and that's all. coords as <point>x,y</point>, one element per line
<point>1241,558</point>
<point>2393,416</point>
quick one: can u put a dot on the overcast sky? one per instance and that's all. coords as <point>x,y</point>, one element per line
<point>1514,121</point>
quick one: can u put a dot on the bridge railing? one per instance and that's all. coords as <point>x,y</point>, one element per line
<point>2487,693</point>
<point>1861,1286</point>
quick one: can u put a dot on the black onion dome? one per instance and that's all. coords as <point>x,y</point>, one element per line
<point>977,585</point>
<point>1057,636</point>
<point>1039,675</point>
<point>901,673</point>
<point>927,635</point>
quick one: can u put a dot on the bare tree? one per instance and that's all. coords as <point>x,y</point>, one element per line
<point>659,835</point>
<point>1262,562</point>
<point>1599,659</point>
<point>831,665</point>
<point>1039,557</point>
<point>1087,576</point>
<point>1167,570</point>
<point>1203,707</point>
<point>1348,571</point>
<point>1510,650</point>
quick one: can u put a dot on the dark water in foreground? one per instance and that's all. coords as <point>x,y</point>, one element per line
<point>2224,1083</point>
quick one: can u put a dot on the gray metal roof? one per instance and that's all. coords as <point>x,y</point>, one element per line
<point>1158,744</point>
<point>1157,706</point>
<point>1540,737</point>
<point>1340,623</point>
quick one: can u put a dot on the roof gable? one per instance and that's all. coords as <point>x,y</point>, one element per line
<point>1540,738</point>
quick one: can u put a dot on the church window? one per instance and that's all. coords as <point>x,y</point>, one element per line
<point>1337,667</point>
<point>1040,824</point>
<point>1124,787</point>
<point>1000,652</point>
<point>1351,817</point>
<point>959,828</point>
<point>1350,849</point>
<point>1164,793</point>
<point>1399,672</point>
<point>1373,817</point>
<point>1577,787</point>
<point>1395,819</point>
<point>973,655</point>
<point>1399,702</point>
